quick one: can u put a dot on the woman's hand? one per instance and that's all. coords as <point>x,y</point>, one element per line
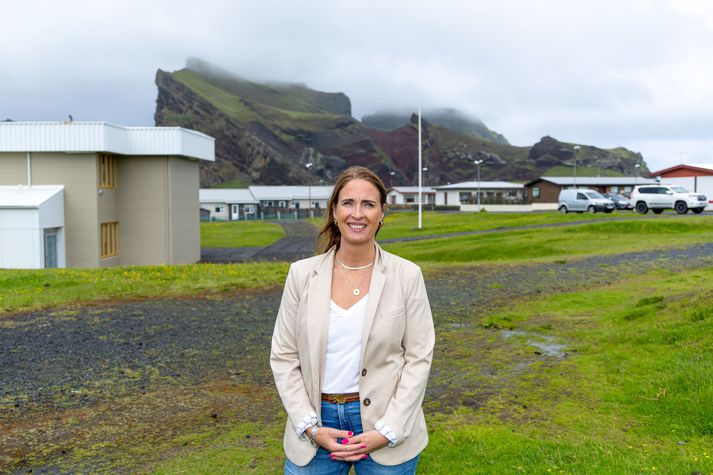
<point>327,437</point>
<point>355,448</point>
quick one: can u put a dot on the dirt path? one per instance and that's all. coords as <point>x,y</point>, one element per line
<point>104,372</point>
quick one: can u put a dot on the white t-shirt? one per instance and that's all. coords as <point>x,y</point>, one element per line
<point>342,365</point>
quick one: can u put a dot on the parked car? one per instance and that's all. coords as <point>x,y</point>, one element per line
<point>620,201</point>
<point>658,198</point>
<point>583,199</point>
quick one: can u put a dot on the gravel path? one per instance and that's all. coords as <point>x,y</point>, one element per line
<point>297,243</point>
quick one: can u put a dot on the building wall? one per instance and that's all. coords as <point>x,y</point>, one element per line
<point>549,192</point>
<point>20,244</point>
<point>185,243</point>
<point>14,169</point>
<point>78,173</point>
<point>142,204</point>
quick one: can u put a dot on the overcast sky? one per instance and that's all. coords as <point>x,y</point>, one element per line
<point>627,73</point>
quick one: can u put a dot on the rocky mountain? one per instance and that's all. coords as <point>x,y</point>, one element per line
<point>270,133</point>
<point>449,118</point>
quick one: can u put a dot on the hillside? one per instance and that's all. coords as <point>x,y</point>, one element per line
<point>267,133</point>
<point>449,118</point>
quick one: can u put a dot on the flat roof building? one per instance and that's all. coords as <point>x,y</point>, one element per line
<point>130,194</point>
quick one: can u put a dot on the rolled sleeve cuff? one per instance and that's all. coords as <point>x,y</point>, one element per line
<point>307,421</point>
<point>387,432</point>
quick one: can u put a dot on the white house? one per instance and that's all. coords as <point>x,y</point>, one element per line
<point>32,232</point>
<point>408,195</point>
<point>229,204</point>
<point>467,191</point>
<point>290,198</point>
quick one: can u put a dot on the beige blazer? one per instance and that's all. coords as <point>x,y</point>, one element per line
<point>397,348</point>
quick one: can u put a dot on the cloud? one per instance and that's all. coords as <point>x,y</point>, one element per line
<point>609,73</point>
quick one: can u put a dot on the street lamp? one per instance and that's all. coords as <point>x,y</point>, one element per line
<point>309,190</point>
<point>636,173</point>
<point>477,167</point>
<point>574,170</point>
<point>391,179</point>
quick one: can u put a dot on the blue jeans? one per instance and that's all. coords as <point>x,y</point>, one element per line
<point>346,417</point>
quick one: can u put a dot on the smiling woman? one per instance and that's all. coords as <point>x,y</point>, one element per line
<point>352,346</point>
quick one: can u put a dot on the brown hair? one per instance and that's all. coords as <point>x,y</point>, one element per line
<point>330,236</point>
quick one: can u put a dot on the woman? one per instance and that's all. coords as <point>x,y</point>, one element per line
<point>352,346</point>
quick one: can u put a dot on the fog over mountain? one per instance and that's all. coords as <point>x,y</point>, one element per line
<point>610,73</point>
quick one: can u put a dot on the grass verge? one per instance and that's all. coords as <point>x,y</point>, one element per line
<point>556,243</point>
<point>240,234</point>
<point>34,289</point>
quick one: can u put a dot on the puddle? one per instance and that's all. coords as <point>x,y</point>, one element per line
<point>546,344</point>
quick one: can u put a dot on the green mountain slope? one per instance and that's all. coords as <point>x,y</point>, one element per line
<point>279,133</point>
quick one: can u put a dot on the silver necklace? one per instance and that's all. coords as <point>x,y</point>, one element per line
<point>353,268</point>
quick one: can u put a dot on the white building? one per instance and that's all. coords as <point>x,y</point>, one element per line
<point>230,204</point>
<point>32,233</point>
<point>292,197</point>
<point>408,195</point>
<point>466,192</point>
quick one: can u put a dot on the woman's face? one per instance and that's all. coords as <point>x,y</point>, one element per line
<point>358,212</point>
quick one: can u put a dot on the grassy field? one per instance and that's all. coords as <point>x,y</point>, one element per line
<point>558,243</point>
<point>633,395</point>
<point>240,234</point>
<point>33,289</point>
<point>405,224</point>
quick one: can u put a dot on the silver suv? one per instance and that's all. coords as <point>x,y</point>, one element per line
<point>660,197</point>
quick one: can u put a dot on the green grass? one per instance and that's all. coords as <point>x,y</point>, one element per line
<point>557,243</point>
<point>33,289</point>
<point>240,234</point>
<point>234,184</point>
<point>563,170</point>
<point>405,224</point>
<point>635,394</point>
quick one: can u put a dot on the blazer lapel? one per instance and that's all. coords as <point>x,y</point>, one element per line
<point>378,280</point>
<point>318,297</point>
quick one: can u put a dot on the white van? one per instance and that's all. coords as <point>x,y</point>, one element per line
<point>583,199</point>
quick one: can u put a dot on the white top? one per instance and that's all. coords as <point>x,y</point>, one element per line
<point>342,365</point>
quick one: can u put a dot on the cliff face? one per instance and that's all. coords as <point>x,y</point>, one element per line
<point>268,133</point>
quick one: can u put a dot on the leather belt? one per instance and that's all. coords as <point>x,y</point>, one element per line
<point>340,398</point>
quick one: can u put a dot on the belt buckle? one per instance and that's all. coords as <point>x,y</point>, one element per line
<point>340,399</point>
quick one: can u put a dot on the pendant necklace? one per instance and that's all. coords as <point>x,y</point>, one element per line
<point>356,290</point>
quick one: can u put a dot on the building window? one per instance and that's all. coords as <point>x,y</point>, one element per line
<point>614,189</point>
<point>219,209</point>
<point>465,195</point>
<point>110,239</point>
<point>249,209</point>
<point>107,171</point>
<point>535,191</point>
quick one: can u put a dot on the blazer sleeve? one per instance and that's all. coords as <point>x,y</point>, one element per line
<point>284,354</point>
<point>418,340</point>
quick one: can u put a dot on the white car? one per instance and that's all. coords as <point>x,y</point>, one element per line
<point>657,198</point>
<point>583,199</point>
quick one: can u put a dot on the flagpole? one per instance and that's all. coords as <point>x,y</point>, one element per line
<point>420,170</point>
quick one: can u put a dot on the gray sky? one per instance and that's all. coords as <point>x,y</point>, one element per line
<point>627,73</point>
